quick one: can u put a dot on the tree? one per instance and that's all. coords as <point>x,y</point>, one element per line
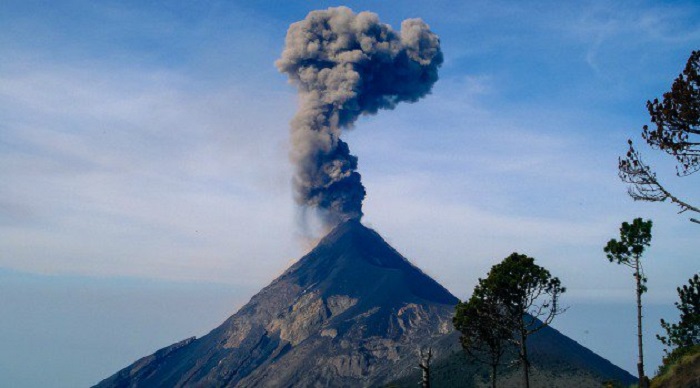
<point>686,332</point>
<point>484,337</point>
<point>675,128</point>
<point>528,298</point>
<point>628,251</point>
<point>424,365</point>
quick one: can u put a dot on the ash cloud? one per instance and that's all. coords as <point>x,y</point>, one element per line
<point>346,65</point>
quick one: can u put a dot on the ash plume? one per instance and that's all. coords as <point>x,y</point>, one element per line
<point>346,65</point>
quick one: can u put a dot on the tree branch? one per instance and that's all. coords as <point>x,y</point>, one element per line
<point>644,185</point>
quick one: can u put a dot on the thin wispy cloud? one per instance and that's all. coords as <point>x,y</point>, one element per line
<point>123,172</point>
<point>164,136</point>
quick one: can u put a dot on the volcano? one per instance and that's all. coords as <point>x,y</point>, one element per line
<point>353,312</point>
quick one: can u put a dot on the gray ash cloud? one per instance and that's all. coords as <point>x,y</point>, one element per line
<point>346,65</point>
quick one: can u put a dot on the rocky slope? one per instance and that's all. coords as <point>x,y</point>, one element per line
<point>353,312</point>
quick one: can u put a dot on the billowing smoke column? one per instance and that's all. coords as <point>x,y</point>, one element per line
<point>345,65</point>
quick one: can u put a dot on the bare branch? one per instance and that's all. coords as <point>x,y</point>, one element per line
<point>644,185</point>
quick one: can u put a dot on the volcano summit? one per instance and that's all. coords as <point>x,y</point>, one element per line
<point>352,312</point>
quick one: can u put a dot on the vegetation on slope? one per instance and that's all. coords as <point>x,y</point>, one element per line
<point>680,369</point>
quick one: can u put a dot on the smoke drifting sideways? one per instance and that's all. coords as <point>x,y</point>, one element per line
<point>346,65</point>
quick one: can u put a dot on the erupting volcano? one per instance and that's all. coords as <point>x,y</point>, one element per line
<point>346,65</point>
<point>353,312</point>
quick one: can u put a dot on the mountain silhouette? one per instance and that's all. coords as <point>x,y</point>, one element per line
<point>352,312</point>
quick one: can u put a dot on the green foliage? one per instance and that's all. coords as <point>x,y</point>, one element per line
<point>526,292</point>
<point>628,250</point>
<point>633,238</point>
<point>613,384</point>
<point>516,299</point>
<point>484,337</point>
<point>678,357</point>
<point>686,332</point>
<point>479,320</point>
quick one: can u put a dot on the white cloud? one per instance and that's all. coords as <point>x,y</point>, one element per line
<point>160,169</point>
<point>142,173</point>
<point>473,183</point>
<point>607,27</point>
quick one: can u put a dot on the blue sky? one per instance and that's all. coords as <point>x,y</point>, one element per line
<point>148,140</point>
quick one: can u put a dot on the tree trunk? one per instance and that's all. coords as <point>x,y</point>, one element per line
<point>493,375</point>
<point>425,366</point>
<point>524,360</point>
<point>640,364</point>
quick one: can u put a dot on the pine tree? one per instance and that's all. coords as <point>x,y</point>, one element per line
<point>628,251</point>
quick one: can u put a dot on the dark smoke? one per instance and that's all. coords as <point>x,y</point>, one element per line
<point>345,65</point>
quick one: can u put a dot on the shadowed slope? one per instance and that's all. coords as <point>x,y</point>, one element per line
<point>352,312</point>
<point>346,312</point>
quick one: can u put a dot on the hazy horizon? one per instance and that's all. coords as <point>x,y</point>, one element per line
<point>108,324</point>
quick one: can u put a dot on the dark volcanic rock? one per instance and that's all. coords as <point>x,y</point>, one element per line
<point>352,312</point>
